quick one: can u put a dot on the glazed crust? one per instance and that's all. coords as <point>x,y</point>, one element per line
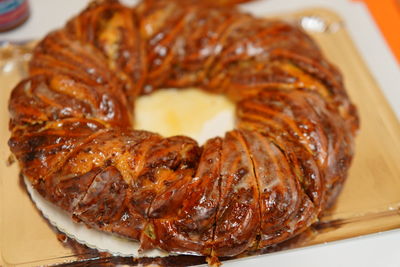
<point>262,183</point>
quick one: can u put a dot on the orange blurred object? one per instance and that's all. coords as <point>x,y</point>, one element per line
<point>387,16</point>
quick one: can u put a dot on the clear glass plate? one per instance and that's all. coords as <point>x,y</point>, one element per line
<point>369,202</point>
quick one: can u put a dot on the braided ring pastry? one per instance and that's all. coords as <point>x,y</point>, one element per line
<point>264,182</point>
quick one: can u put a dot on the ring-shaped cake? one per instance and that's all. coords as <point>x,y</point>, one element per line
<point>262,183</point>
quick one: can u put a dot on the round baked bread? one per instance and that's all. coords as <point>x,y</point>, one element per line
<point>266,181</point>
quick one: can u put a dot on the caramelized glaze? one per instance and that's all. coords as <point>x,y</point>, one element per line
<point>264,182</point>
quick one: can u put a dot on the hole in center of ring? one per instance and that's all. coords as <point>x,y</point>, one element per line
<point>191,112</point>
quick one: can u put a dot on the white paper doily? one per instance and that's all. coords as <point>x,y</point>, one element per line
<point>90,237</point>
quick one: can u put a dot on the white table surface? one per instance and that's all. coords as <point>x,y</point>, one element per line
<point>380,249</point>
